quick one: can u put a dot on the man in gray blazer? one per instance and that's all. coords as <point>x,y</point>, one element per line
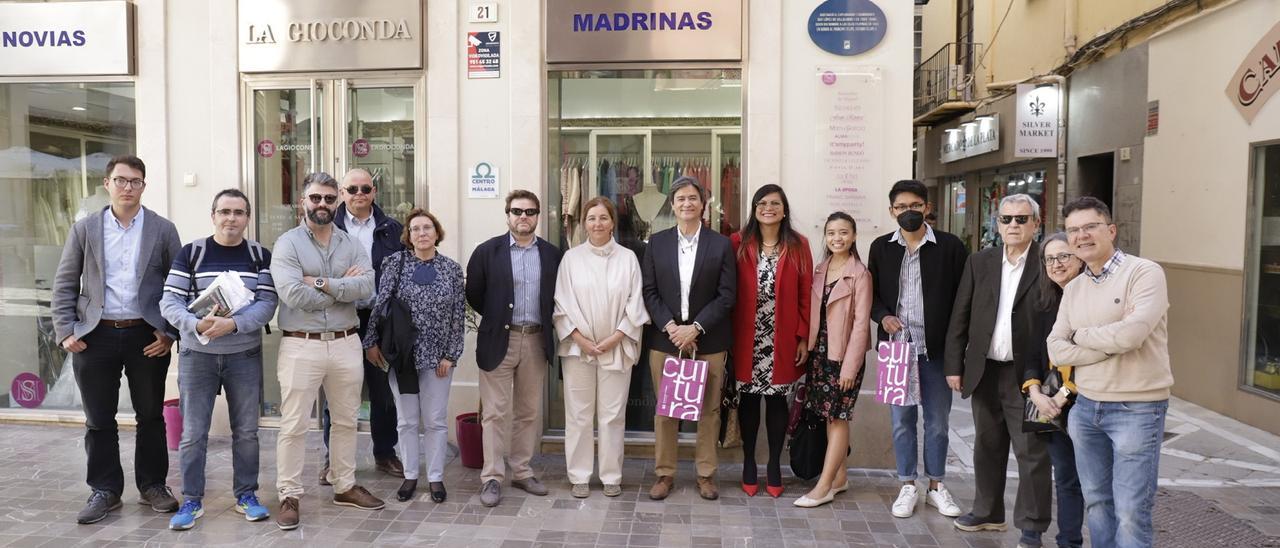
<point>106,312</point>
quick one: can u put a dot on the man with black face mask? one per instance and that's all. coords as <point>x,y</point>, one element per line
<point>915,271</point>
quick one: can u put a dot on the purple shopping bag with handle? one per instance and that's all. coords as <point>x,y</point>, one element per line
<point>897,373</point>
<point>682,388</point>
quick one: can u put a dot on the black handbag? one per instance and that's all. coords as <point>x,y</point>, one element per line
<point>397,335</point>
<point>808,446</point>
<point>1032,420</point>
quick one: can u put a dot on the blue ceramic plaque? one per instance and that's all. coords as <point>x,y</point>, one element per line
<point>847,27</point>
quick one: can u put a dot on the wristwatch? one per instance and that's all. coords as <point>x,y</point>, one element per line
<point>319,283</point>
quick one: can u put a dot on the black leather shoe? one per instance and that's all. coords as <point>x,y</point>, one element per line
<point>99,505</point>
<point>438,493</point>
<point>159,498</point>
<point>406,490</point>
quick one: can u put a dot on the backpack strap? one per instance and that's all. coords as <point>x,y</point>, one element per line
<point>193,263</point>
<point>256,253</point>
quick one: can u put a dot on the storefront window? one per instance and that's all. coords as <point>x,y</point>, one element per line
<point>958,204</point>
<point>627,134</point>
<point>1262,363</point>
<point>55,141</point>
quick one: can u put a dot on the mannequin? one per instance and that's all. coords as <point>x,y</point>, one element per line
<point>649,201</point>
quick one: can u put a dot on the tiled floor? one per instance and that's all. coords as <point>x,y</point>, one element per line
<point>42,470</point>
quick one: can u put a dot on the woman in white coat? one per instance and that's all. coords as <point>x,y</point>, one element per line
<point>599,319</point>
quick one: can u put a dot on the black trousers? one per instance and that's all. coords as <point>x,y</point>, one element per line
<point>382,407</point>
<point>110,352</point>
<point>997,420</point>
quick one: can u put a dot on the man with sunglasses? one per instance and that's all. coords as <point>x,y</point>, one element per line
<point>320,274</point>
<point>511,281</point>
<point>1112,327</point>
<point>992,352</point>
<point>106,313</point>
<point>379,235</point>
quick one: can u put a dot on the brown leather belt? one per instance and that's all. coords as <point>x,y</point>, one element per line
<point>526,329</point>
<point>325,336</point>
<point>121,324</point>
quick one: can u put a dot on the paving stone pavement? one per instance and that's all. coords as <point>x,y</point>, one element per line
<point>1229,466</point>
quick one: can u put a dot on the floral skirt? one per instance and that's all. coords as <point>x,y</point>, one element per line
<point>825,397</point>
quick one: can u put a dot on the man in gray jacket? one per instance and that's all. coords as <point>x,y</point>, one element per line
<point>106,313</point>
<point>319,273</point>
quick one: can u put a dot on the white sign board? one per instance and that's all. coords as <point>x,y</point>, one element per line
<point>971,139</point>
<point>1036,135</point>
<point>66,38</point>
<point>484,181</point>
<point>849,137</point>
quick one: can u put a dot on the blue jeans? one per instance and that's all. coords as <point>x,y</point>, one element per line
<point>200,375</point>
<point>1067,485</point>
<point>935,398</point>
<point>1118,458</point>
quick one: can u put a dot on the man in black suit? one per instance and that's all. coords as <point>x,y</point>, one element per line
<point>992,350</point>
<point>690,283</point>
<point>511,281</point>
<point>915,271</point>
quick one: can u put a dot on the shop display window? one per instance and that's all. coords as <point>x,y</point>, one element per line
<point>1025,182</point>
<point>1262,359</point>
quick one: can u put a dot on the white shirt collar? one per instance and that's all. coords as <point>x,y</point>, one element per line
<point>109,218</point>
<point>1022,257</point>
<point>352,219</point>
<point>928,235</point>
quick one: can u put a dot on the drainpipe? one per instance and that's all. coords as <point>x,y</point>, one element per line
<point>1061,81</point>
<point>1069,27</point>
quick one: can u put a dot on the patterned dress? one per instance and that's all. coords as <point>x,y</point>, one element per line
<point>825,397</point>
<point>762,350</point>
<point>437,303</point>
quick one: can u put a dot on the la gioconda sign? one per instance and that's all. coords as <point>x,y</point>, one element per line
<point>316,35</point>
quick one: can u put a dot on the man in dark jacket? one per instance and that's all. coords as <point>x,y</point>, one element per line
<point>511,281</point>
<point>915,271</point>
<point>993,348</point>
<point>379,235</point>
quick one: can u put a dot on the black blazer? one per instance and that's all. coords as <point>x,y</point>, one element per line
<point>711,295</point>
<point>941,265</point>
<point>491,292</point>
<point>973,318</point>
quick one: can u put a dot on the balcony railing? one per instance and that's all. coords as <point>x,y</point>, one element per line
<point>941,83</point>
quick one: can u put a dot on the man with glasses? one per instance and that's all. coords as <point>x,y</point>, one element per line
<point>511,281</point>
<point>992,350</point>
<point>320,273</point>
<point>1112,327</point>
<point>106,313</point>
<point>379,235</point>
<point>220,351</point>
<point>915,271</point>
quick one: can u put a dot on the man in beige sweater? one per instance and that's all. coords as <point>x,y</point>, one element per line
<point>1112,325</point>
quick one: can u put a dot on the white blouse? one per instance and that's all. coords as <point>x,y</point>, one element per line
<point>598,292</point>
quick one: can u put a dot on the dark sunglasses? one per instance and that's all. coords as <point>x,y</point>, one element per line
<point>329,199</point>
<point>531,212</point>
<point>1021,219</point>
<point>362,189</point>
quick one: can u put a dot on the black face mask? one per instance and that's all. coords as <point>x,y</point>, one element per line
<point>910,220</point>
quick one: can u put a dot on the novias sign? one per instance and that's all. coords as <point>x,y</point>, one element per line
<point>1255,81</point>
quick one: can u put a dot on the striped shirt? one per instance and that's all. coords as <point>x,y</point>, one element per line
<point>526,274</point>
<point>218,259</point>
<point>910,295</point>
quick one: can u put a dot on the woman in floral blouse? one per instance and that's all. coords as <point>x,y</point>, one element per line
<point>432,287</point>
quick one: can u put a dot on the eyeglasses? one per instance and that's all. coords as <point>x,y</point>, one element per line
<point>918,206</point>
<point>1091,227</point>
<point>518,212</point>
<point>1020,219</point>
<point>362,189</point>
<point>232,212</point>
<point>421,229</point>
<point>122,182</point>
<point>762,204</point>
<point>329,199</point>
<point>1061,258</point>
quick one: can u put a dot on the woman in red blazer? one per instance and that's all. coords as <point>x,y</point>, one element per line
<point>770,327</point>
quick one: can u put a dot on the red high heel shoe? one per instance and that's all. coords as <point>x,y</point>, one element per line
<point>775,491</point>
<point>750,489</point>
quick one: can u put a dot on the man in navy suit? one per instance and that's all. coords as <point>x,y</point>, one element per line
<point>511,281</point>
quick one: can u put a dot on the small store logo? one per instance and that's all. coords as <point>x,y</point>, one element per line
<point>266,148</point>
<point>360,148</point>
<point>828,78</point>
<point>28,390</point>
<point>1037,107</point>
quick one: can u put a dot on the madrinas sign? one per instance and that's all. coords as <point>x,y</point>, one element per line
<point>588,31</point>
<point>1258,76</point>
<point>66,38</point>
<point>314,35</point>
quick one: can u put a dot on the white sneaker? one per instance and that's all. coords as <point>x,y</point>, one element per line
<point>906,503</point>
<point>940,498</point>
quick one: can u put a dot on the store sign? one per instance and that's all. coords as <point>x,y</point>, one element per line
<point>971,139</point>
<point>484,55</point>
<point>1036,135</point>
<point>847,27</point>
<point>1258,77</point>
<point>484,181</point>
<point>586,31</point>
<point>28,390</point>
<point>66,38</point>
<point>312,35</point>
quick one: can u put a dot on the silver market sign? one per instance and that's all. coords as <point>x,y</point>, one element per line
<point>1036,130</point>
<point>1258,76</point>
<point>66,38</point>
<point>319,35</point>
<point>971,139</point>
